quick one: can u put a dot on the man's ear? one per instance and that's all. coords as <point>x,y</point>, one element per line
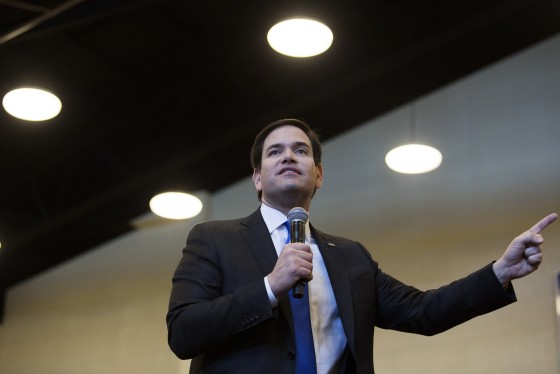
<point>319,178</point>
<point>257,179</point>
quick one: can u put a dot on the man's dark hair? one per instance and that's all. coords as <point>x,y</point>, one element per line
<point>257,148</point>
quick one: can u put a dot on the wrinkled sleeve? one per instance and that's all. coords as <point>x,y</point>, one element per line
<point>405,308</point>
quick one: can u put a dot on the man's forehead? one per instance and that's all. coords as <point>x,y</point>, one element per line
<point>287,135</point>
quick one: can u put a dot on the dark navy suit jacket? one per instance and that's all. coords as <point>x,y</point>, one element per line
<point>220,316</point>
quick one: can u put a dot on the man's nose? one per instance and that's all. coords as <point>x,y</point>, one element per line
<point>289,156</point>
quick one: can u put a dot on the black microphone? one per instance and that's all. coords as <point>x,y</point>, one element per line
<point>298,218</point>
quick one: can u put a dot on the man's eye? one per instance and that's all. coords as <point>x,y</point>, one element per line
<point>302,151</point>
<point>273,152</point>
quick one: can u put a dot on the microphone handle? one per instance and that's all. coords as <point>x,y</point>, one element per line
<point>297,235</point>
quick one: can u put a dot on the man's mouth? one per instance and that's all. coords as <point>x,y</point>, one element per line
<point>289,171</point>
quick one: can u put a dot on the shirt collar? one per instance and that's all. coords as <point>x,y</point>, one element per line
<point>274,218</point>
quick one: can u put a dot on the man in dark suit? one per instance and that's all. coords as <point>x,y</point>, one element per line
<point>231,309</point>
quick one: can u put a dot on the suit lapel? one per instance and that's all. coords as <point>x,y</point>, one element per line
<point>338,276</point>
<point>259,240</point>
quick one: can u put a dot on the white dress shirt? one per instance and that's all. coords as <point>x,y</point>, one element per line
<point>328,335</point>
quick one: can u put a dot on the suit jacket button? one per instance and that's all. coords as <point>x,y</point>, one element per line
<point>291,356</point>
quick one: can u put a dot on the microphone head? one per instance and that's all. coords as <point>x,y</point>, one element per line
<point>298,214</point>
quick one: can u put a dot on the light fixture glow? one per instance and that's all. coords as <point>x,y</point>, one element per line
<point>31,104</point>
<point>300,37</point>
<point>413,159</point>
<point>175,205</point>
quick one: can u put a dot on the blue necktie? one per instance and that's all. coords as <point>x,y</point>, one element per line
<point>305,351</point>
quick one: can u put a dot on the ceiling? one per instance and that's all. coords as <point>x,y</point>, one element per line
<point>161,95</point>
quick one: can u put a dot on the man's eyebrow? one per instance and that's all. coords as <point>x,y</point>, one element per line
<point>282,145</point>
<point>302,144</point>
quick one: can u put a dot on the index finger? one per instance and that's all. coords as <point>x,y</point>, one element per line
<point>543,223</point>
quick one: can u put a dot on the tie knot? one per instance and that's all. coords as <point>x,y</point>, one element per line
<point>288,237</point>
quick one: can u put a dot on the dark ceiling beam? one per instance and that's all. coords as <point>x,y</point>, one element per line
<point>33,23</point>
<point>22,5</point>
<point>87,14</point>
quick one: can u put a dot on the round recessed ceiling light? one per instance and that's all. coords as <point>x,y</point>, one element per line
<point>413,159</point>
<point>31,104</point>
<point>175,205</point>
<point>300,37</point>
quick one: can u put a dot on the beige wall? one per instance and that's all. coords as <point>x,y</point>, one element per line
<point>521,338</point>
<point>499,132</point>
<point>101,313</point>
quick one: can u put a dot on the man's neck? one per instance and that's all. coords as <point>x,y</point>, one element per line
<point>283,207</point>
